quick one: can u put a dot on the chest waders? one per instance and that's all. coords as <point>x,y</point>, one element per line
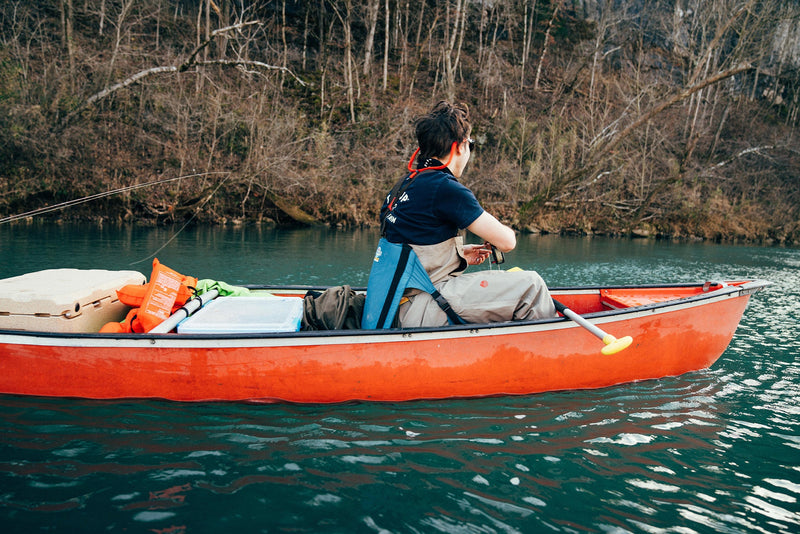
<point>396,268</point>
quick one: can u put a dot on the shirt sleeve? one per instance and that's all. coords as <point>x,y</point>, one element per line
<point>456,203</point>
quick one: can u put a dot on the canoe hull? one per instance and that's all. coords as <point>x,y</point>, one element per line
<point>320,367</point>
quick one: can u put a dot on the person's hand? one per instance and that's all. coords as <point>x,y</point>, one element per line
<point>477,254</point>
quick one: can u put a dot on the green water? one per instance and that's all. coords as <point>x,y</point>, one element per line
<point>712,451</point>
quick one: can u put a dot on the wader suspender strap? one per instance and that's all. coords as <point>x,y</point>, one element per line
<point>402,262</point>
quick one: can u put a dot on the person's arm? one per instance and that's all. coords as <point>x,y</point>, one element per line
<point>488,228</point>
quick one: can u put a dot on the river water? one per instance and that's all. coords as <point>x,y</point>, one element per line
<point>711,451</point>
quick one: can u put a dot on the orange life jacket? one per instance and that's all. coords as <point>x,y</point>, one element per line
<point>160,297</point>
<point>133,294</point>
<point>129,325</point>
<point>153,302</point>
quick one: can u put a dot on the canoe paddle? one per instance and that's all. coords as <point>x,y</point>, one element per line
<point>613,345</point>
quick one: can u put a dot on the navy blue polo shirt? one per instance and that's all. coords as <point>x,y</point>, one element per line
<point>433,208</point>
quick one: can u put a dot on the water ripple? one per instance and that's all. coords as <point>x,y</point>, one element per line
<point>706,452</point>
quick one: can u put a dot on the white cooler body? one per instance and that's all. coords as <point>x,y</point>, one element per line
<point>64,300</point>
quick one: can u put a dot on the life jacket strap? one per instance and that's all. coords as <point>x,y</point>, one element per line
<point>398,274</point>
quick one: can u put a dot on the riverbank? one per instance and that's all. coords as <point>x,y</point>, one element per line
<point>582,126</point>
<point>564,225</point>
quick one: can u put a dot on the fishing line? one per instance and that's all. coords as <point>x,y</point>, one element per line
<point>96,196</point>
<point>182,228</point>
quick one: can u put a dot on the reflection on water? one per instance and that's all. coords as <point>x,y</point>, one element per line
<point>672,452</point>
<point>324,256</point>
<point>318,256</point>
<point>711,451</point>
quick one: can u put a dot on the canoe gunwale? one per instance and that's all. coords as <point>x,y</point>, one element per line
<point>600,317</point>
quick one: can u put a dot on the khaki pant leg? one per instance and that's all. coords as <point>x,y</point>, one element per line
<point>496,296</point>
<point>483,297</point>
<point>422,310</point>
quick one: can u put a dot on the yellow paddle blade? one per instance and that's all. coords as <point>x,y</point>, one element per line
<point>614,345</point>
<point>513,269</point>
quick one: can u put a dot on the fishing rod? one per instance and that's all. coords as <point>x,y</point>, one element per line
<point>75,202</point>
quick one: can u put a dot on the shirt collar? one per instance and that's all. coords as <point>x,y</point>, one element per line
<point>433,162</point>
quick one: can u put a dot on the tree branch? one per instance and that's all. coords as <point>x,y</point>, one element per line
<point>249,63</point>
<point>740,154</point>
<point>182,67</point>
<point>598,155</point>
<point>191,61</point>
<point>689,91</point>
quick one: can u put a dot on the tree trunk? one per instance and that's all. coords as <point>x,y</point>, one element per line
<point>545,45</point>
<point>207,28</point>
<point>348,58</point>
<point>372,23</point>
<point>102,16</point>
<point>452,54</point>
<point>386,49</point>
<point>67,18</point>
<point>305,37</point>
<point>123,14</point>
<point>527,38</point>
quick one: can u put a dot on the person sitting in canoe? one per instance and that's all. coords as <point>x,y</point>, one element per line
<point>416,277</point>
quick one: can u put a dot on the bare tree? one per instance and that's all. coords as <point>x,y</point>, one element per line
<point>186,65</point>
<point>67,21</point>
<point>372,23</point>
<point>119,33</point>
<point>456,28</point>
<point>545,46</point>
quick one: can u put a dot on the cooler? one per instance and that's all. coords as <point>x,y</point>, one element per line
<point>64,300</point>
<point>245,315</point>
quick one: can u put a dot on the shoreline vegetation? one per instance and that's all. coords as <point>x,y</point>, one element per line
<point>641,118</point>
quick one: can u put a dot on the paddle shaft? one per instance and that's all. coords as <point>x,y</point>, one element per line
<point>612,344</point>
<point>185,311</point>
<point>578,319</point>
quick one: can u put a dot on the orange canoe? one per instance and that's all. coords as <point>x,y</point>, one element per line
<point>675,329</point>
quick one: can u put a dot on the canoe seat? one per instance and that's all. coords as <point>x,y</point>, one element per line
<point>616,299</point>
